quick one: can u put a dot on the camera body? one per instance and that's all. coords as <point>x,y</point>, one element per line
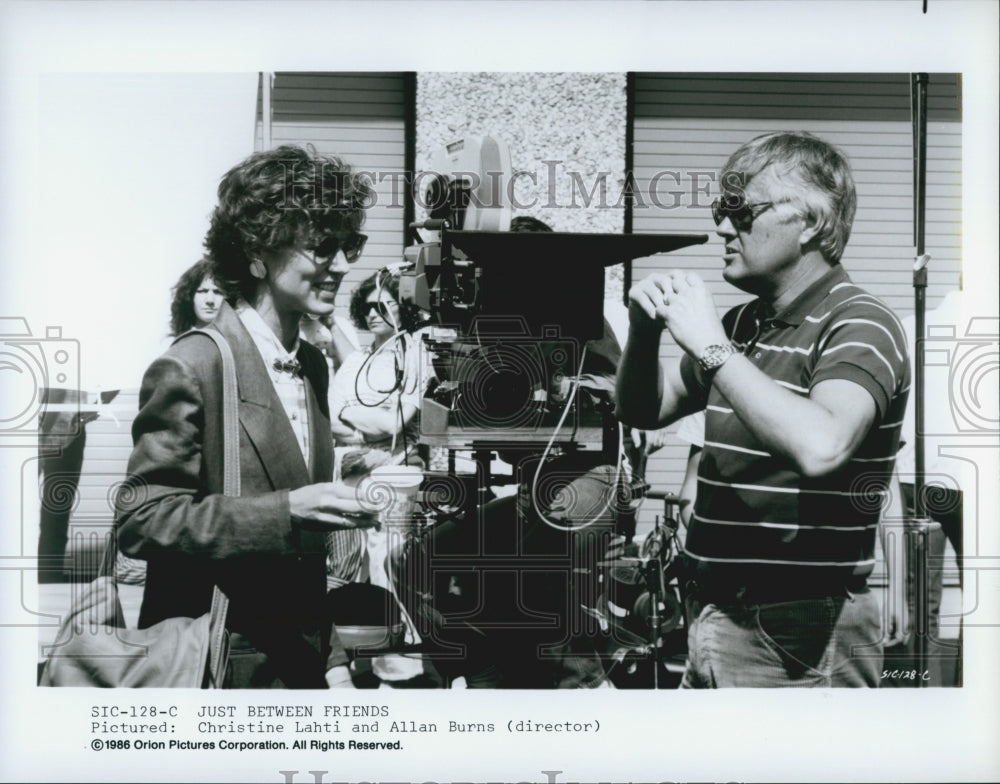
<point>506,386</point>
<point>470,184</point>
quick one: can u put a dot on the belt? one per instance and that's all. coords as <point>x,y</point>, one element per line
<point>773,593</point>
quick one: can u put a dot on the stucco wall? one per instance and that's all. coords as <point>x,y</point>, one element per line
<point>565,132</point>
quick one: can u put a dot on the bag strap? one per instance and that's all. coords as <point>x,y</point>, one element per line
<point>218,644</point>
<point>107,567</point>
<point>230,414</point>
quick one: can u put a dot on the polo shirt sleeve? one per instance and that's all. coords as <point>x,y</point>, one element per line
<point>864,344</point>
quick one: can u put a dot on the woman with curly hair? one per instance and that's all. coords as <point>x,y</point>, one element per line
<point>197,297</point>
<point>376,392</point>
<point>281,238</point>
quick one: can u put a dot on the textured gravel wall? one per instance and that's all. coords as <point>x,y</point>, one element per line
<point>565,132</point>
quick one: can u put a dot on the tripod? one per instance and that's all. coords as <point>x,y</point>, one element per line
<point>641,603</point>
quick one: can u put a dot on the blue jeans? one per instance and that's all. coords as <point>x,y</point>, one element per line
<point>824,642</point>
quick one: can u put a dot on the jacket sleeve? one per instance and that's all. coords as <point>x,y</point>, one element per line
<point>165,504</point>
<point>601,362</point>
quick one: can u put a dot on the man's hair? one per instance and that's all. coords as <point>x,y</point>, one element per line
<point>277,199</point>
<point>182,316</point>
<point>816,174</point>
<point>409,314</point>
<point>525,223</point>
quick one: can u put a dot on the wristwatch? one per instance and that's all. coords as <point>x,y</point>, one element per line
<point>715,356</point>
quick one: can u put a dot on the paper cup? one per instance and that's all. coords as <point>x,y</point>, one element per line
<point>395,488</point>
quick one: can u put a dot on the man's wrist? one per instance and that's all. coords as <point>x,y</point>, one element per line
<point>714,356</point>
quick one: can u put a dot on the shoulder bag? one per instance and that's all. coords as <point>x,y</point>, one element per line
<point>93,647</point>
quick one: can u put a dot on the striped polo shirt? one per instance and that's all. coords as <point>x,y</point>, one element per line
<point>756,519</point>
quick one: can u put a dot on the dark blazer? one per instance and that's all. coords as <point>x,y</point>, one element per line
<point>172,511</point>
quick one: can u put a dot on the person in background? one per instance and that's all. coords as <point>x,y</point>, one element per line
<point>334,335</point>
<point>374,400</point>
<point>282,235</point>
<point>804,390</point>
<point>197,297</point>
<point>376,394</point>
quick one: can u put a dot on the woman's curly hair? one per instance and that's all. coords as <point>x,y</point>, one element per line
<point>409,314</point>
<point>277,199</point>
<point>182,316</point>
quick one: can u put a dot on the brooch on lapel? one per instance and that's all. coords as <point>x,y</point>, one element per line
<point>290,366</point>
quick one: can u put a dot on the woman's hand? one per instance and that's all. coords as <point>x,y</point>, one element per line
<point>329,506</point>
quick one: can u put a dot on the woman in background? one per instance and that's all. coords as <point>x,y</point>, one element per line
<point>376,392</point>
<point>374,402</point>
<point>197,297</point>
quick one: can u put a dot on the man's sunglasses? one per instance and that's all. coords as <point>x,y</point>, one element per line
<point>741,215</point>
<point>351,247</point>
<point>383,310</point>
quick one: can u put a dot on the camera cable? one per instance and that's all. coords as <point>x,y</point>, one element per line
<point>548,449</point>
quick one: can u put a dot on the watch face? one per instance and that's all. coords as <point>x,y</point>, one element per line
<point>713,356</point>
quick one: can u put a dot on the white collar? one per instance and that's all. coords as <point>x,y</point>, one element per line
<point>263,336</point>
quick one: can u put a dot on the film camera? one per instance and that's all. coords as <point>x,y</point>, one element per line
<point>513,311</point>
<point>518,321</point>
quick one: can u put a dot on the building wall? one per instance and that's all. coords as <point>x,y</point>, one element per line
<point>565,133</point>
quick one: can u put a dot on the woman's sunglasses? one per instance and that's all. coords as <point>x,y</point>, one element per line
<point>351,247</point>
<point>742,215</point>
<point>384,311</point>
